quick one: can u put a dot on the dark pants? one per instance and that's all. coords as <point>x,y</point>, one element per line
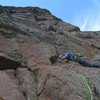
<point>88,63</point>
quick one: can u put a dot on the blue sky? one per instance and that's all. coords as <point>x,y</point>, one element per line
<point>82,13</point>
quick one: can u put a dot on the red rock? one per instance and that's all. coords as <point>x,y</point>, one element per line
<point>29,37</point>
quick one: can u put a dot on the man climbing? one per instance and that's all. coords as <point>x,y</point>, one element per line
<point>77,57</point>
<point>70,57</point>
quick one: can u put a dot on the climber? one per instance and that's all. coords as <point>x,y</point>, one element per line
<point>77,57</point>
<point>70,56</point>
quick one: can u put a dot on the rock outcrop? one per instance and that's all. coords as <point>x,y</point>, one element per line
<point>31,39</point>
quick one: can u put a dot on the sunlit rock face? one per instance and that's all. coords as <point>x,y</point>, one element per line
<point>31,39</point>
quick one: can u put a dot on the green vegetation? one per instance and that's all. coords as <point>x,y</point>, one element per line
<point>88,87</point>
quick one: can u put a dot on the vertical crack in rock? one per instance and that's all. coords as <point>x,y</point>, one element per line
<point>28,83</point>
<point>44,81</point>
<point>8,64</point>
<point>9,88</point>
<point>23,93</point>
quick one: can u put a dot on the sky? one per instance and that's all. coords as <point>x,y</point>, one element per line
<point>82,13</point>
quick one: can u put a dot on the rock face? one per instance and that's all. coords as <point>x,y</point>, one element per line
<point>30,41</point>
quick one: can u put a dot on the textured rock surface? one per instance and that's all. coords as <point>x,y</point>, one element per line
<point>30,41</point>
<point>9,88</point>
